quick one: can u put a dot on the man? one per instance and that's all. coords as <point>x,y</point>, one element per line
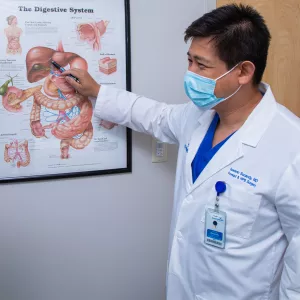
<point>235,231</point>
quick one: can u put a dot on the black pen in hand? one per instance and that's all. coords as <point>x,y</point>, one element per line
<point>59,67</point>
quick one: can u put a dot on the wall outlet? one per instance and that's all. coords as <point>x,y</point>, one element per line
<point>159,151</point>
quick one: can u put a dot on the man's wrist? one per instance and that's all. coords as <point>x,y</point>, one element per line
<point>96,90</point>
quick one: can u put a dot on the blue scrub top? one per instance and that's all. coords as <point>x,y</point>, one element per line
<point>206,152</point>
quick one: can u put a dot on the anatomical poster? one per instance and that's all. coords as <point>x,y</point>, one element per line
<point>47,129</point>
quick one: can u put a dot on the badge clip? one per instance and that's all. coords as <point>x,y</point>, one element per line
<point>220,187</point>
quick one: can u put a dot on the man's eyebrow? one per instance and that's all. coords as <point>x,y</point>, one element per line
<point>199,58</point>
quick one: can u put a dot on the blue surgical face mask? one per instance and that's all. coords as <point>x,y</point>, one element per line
<point>201,90</point>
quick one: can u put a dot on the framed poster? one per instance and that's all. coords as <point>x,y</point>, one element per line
<point>47,130</point>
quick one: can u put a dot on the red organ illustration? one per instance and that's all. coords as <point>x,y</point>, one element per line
<point>73,112</point>
<point>13,98</point>
<point>107,65</point>
<point>17,153</point>
<point>92,33</point>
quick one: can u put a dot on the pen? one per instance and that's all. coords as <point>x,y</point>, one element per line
<point>59,67</point>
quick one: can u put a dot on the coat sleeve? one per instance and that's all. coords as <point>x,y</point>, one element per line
<point>141,114</point>
<point>288,207</point>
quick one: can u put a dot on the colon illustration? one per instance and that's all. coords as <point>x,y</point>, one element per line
<point>92,33</point>
<point>17,154</point>
<point>13,33</point>
<point>66,113</point>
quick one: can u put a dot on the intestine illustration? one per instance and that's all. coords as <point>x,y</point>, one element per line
<point>17,154</point>
<point>92,33</point>
<point>13,33</point>
<point>69,114</point>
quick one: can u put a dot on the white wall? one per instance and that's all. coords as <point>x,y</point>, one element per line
<point>103,237</point>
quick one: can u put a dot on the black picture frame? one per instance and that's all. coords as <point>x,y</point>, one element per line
<point>128,168</point>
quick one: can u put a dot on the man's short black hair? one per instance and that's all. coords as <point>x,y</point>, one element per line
<point>239,33</point>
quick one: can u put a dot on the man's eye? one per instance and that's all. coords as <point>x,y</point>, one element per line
<point>190,61</point>
<point>201,66</point>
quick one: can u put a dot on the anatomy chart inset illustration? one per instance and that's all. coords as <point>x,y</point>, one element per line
<point>46,127</point>
<point>13,33</point>
<point>17,154</point>
<point>92,33</point>
<point>108,65</point>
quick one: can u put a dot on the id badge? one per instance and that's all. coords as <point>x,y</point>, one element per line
<point>215,228</point>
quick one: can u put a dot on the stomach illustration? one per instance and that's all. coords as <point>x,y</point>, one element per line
<point>92,33</point>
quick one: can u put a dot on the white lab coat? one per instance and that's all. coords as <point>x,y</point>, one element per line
<point>260,164</point>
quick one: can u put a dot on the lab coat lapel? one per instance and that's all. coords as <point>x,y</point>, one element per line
<point>231,151</point>
<point>248,135</point>
<point>196,140</point>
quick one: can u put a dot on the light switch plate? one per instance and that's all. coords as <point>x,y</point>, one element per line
<point>159,151</point>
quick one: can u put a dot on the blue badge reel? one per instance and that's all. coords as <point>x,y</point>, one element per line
<point>215,221</point>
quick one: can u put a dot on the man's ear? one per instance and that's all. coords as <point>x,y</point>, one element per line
<point>247,70</point>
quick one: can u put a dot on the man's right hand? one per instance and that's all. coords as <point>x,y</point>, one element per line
<point>87,86</point>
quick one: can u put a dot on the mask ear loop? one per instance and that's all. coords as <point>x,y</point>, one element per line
<point>232,94</point>
<point>225,75</point>
<point>227,72</point>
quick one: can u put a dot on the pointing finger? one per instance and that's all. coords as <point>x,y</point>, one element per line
<point>75,72</point>
<point>73,83</point>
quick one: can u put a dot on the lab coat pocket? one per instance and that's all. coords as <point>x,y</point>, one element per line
<point>241,208</point>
